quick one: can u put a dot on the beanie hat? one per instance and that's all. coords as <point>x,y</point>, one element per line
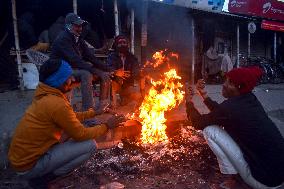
<point>245,78</point>
<point>60,76</point>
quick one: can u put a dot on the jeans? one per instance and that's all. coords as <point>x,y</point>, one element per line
<point>62,159</point>
<point>229,156</point>
<point>86,79</point>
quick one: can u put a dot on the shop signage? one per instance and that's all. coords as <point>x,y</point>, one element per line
<point>272,9</point>
<point>272,25</point>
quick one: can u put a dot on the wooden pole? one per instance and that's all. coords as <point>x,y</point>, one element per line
<point>144,31</point>
<point>238,45</point>
<point>75,7</point>
<point>17,45</point>
<point>132,31</point>
<point>116,18</point>
<point>248,44</point>
<point>193,51</point>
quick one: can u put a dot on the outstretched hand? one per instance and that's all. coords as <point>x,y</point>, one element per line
<point>115,121</point>
<point>200,86</point>
<point>121,73</point>
<point>189,94</point>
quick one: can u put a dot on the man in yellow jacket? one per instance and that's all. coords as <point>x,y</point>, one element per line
<point>37,151</point>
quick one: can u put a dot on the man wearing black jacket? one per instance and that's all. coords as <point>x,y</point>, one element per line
<point>126,69</point>
<point>71,47</point>
<point>239,132</point>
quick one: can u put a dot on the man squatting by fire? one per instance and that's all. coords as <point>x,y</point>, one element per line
<point>239,132</point>
<point>40,150</point>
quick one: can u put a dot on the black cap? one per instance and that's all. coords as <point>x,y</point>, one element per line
<point>72,18</point>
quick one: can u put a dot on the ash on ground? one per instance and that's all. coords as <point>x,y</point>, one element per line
<point>184,162</point>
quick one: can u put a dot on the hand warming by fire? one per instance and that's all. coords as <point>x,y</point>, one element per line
<point>164,95</point>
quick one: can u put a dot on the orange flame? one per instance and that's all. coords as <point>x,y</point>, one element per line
<point>161,57</point>
<point>164,95</point>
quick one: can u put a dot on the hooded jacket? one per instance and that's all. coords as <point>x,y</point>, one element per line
<point>43,124</point>
<point>75,52</point>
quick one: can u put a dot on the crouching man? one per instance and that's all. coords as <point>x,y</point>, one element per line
<point>239,132</point>
<point>38,151</point>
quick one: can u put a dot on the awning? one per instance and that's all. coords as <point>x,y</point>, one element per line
<point>207,5</point>
<point>272,25</point>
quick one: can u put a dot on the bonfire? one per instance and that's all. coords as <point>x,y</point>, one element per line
<point>164,95</point>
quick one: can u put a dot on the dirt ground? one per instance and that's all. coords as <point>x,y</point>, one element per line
<point>184,162</point>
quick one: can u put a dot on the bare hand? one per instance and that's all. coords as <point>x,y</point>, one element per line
<point>115,121</point>
<point>189,94</point>
<point>200,86</point>
<point>121,73</point>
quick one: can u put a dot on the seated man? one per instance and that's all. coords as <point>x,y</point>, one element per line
<point>239,132</point>
<point>70,47</point>
<point>39,150</point>
<point>126,69</point>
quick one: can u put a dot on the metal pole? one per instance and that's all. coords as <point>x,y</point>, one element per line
<point>193,51</point>
<point>75,7</point>
<point>17,45</point>
<point>132,31</point>
<point>275,47</point>
<point>116,18</point>
<point>248,44</point>
<point>238,45</point>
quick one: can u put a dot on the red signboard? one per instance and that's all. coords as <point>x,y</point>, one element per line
<point>273,9</point>
<point>272,25</point>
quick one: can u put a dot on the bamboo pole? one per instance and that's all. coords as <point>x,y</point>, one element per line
<point>17,45</point>
<point>132,31</point>
<point>238,45</point>
<point>249,44</point>
<point>116,18</point>
<point>144,31</point>
<point>75,7</point>
<point>193,51</point>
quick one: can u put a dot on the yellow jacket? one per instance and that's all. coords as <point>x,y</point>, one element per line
<point>42,125</point>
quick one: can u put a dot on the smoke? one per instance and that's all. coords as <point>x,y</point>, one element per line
<point>168,27</point>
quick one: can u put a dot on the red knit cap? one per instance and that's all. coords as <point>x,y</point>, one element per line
<point>245,78</point>
<point>117,38</point>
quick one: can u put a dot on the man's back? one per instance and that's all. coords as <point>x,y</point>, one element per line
<point>36,131</point>
<point>257,136</point>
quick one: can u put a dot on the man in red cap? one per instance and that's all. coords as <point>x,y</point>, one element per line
<point>126,69</point>
<point>239,132</point>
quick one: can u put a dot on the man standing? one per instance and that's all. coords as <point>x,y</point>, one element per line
<point>40,150</point>
<point>126,69</point>
<point>71,47</point>
<point>239,132</point>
